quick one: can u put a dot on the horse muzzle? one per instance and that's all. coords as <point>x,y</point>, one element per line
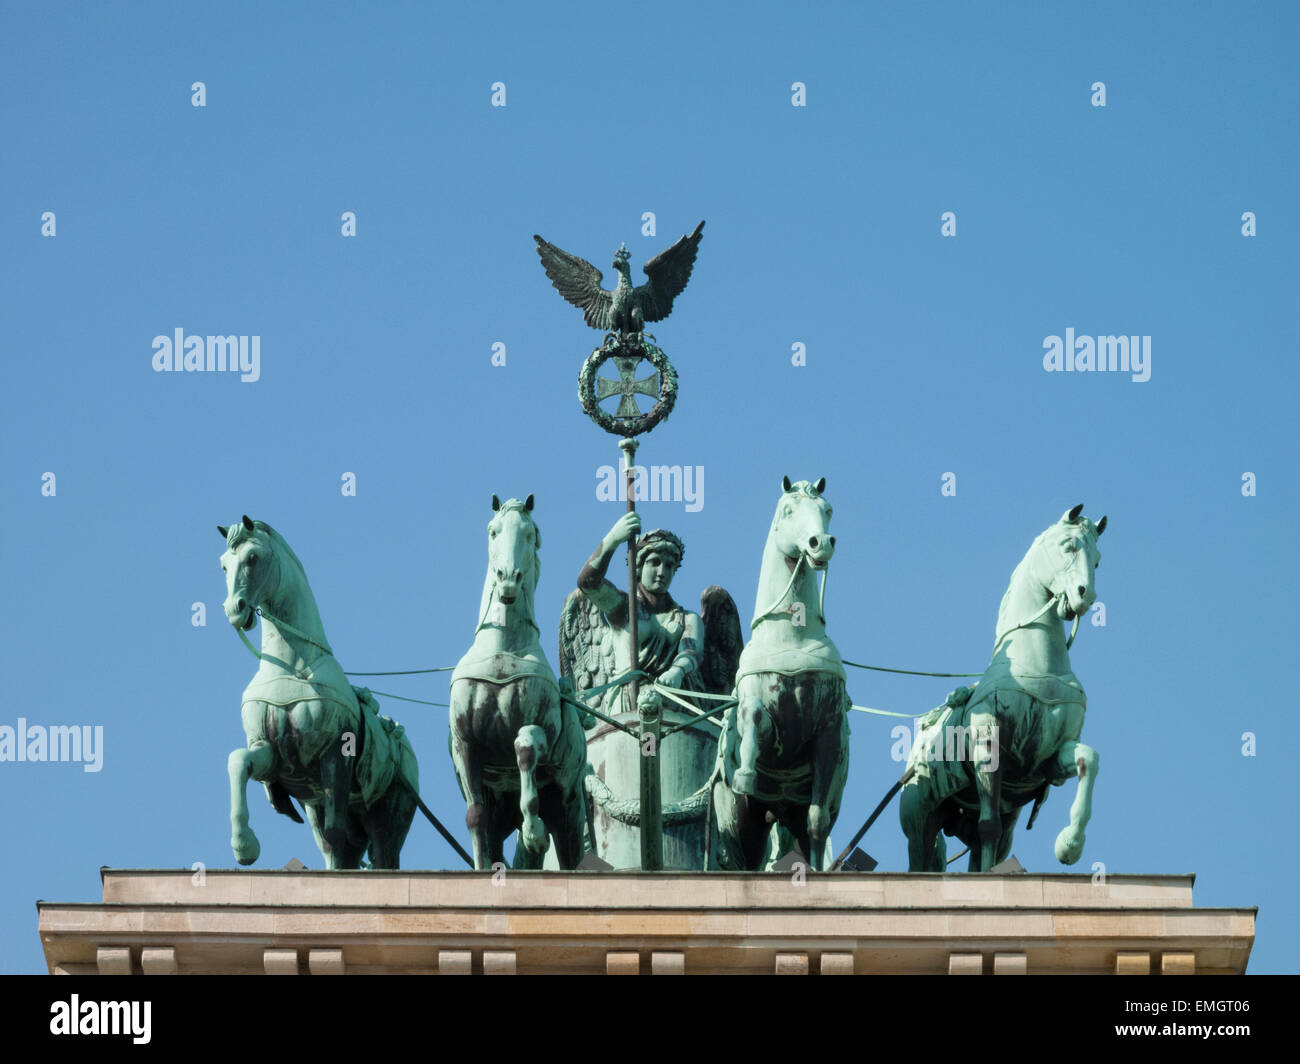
<point>1070,605</point>
<point>819,552</point>
<point>240,615</point>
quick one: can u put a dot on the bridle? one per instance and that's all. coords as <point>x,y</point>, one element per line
<point>284,626</point>
<point>1055,600</point>
<point>794,575</point>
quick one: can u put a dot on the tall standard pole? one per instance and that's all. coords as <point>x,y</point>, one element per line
<point>652,843</point>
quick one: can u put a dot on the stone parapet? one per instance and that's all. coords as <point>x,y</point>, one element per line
<point>461,922</point>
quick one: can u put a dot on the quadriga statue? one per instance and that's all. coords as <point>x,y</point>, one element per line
<point>783,755</point>
<point>518,750</point>
<point>695,654</point>
<point>998,745</point>
<point>311,735</point>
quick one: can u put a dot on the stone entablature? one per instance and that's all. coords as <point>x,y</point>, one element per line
<point>318,922</point>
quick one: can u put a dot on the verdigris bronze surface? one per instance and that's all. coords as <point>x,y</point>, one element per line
<point>676,649</point>
<point>1022,720</point>
<point>784,748</point>
<point>311,734</point>
<point>519,752</point>
<point>626,309</point>
<point>627,353</point>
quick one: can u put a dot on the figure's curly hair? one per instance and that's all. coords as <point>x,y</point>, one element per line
<point>663,541</point>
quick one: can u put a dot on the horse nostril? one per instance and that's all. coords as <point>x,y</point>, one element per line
<point>812,542</point>
<point>1083,591</point>
<point>832,541</point>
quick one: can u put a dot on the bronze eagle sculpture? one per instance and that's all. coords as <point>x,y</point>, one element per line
<point>625,309</point>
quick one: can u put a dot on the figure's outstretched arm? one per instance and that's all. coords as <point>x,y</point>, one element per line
<point>592,581</point>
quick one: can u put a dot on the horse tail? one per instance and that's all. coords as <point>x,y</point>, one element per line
<point>281,801</point>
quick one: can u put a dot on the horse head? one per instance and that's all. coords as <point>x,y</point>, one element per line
<point>513,543</point>
<point>799,529</point>
<point>252,568</point>
<point>1065,560</point>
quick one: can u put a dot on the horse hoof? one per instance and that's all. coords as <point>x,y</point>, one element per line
<point>533,835</point>
<point>744,781</point>
<point>1069,846</point>
<point>246,847</point>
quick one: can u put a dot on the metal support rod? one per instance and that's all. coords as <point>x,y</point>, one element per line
<point>451,839</point>
<point>582,707</point>
<point>870,820</point>
<point>652,845</point>
<point>701,719</point>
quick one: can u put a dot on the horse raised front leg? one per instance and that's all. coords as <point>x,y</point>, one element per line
<point>530,750</point>
<point>254,763</point>
<point>1084,761</point>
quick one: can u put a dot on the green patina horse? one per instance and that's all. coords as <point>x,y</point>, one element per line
<point>518,750</point>
<point>783,754</point>
<point>311,734</point>
<point>996,746</point>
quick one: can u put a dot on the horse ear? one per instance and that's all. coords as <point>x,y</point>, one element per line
<point>222,531</point>
<point>820,486</point>
<point>1101,525</point>
<point>1072,515</point>
<point>496,504</point>
<point>248,522</point>
<point>785,483</point>
<point>528,503</point>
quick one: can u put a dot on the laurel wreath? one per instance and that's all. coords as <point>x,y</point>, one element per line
<point>629,346</point>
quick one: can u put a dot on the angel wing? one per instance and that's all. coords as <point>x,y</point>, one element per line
<point>723,640</point>
<point>579,282</point>
<point>668,272</point>
<point>586,647</point>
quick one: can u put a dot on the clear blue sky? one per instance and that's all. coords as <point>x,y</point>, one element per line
<point>924,356</point>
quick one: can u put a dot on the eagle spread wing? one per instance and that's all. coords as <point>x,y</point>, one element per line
<point>579,282</point>
<point>668,272</point>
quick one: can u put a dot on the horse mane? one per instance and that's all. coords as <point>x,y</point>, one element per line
<point>238,533</point>
<point>1084,523</point>
<point>518,507</point>
<point>802,487</point>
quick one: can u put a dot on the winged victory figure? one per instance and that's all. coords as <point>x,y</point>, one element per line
<point>626,309</point>
<point>687,651</point>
